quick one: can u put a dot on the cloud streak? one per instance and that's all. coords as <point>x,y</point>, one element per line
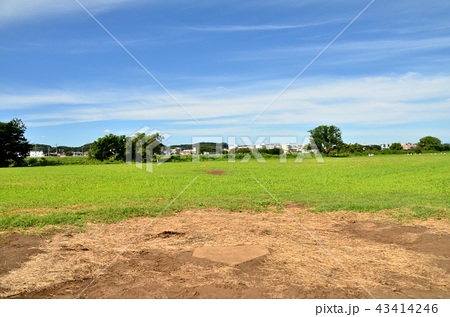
<point>370,101</point>
<point>252,28</point>
<point>13,11</point>
<point>355,50</point>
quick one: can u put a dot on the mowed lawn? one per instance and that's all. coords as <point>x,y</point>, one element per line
<point>411,186</point>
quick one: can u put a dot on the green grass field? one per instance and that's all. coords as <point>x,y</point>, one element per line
<point>411,186</point>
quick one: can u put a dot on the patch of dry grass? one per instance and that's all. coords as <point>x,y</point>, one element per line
<point>295,258</point>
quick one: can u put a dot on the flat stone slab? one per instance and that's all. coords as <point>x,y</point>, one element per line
<point>231,255</point>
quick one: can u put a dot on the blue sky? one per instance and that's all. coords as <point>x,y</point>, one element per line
<point>194,69</point>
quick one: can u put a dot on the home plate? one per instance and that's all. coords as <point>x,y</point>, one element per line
<point>231,255</point>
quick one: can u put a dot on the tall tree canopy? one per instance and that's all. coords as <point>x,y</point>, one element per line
<point>109,147</point>
<point>14,147</point>
<point>430,143</point>
<point>114,147</point>
<point>326,138</point>
<point>141,144</point>
<point>396,147</point>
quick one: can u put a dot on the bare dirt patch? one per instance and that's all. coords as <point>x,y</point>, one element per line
<point>215,172</point>
<point>152,258</point>
<point>17,249</point>
<point>231,255</point>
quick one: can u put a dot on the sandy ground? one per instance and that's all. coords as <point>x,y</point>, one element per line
<point>328,255</point>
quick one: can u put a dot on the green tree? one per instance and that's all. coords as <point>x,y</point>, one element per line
<point>141,142</point>
<point>430,143</point>
<point>351,148</point>
<point>109,147</point>
<point>374,147</point>
<point>14,147</point>
<point>326,138</point>
<point>396,147</point>
<point>207,148</point>
<point>243,150</point>
<point>274,151</point>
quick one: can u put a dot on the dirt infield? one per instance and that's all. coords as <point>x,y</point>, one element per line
<point>328,255</point>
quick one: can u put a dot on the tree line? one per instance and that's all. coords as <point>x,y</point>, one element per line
<point>328,140</point>
<point>14,147</point>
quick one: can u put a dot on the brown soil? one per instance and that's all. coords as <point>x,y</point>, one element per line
<point>215,172</point>
<point>16,249</point>
<point>330,255</point>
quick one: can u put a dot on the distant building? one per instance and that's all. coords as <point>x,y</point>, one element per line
<point>385,146</point>
<point>273,146</point>
<point>298,148</point>
<point>78,154</point>
<point>187,152</point>
<point>175,151</point>
<point>36,154</point>
<point>409,146</point>
<point>286,148</point>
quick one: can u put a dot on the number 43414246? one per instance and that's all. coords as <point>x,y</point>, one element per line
<point>405,308</point>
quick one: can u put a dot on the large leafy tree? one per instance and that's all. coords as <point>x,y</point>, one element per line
<point>396,147</point>
<point>14,147</point>
<point>140,144</point>
<point>109,147</point>
<point>430,143</point>
<point>326,138</point>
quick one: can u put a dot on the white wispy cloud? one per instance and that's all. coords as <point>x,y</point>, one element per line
<point>250,28</point>
<point>351,50</point>
<point>369,101</point>
<point>12,11</point>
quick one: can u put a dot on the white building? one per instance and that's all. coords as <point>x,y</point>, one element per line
<point>286,148</point>
<point>36,154</point>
